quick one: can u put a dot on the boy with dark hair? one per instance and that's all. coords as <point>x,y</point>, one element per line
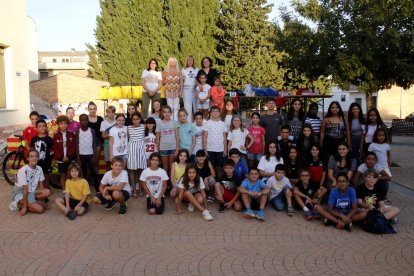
<point>285,141</point>
<point>206,171</point>
<point>280,190</point>
<point>226,188</point>
<point>240,168</point>
<point>64,147</point>
<point>254,195</point>
<point>114,187</point>
<point>30,131</point>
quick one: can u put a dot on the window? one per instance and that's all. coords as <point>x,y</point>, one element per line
<point>63,60</point>
<point>2,80</point>
<point>358,101</point>
<point>54,60</point>
<point>44,75</point>
<point>343,98</point>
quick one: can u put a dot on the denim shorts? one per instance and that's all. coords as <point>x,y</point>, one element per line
<point>18,195</point>
<point>254,156</point>
<point>167,152</point>
<point>123,156</point>
<point>205,105</point>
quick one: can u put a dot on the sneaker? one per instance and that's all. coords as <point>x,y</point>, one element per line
<point>13,206</point>
<point>249,214</point>
<point>261,215</point>
<point>291,211</point>
<point>394,220</point>
<point>190,207</point>
<point>110,205</point>
<point>71,215</point>
<point>348,227</point>
<point>327,222</point>
<point>315,214</point>
<point>308,215</point>
<point>210,199</point>
<point>206,215</point>
<point>222,207</point>
<point>122,209</point>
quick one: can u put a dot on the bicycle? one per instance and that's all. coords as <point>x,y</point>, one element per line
<point>15,159</point>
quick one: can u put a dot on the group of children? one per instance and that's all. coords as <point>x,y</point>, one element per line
<point>214,160</point>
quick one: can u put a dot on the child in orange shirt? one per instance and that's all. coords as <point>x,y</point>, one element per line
<point>217,93</point>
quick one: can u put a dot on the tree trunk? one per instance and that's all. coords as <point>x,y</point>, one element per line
<point>370,100</point>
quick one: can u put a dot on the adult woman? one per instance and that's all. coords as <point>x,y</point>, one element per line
<point>357,125</point>
<point>151,85</point>
<point>94,122</point>
<point>295,116</point>
<point>206,64</point>
<point>189,76</point>
<point>334,129</point>
<point>340,162</point>
<point>173,83</point>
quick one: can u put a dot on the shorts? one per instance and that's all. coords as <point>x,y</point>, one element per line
<point>18,195</point>
<point>158,210</point>
<point>211,181</point>
<point>123,156</point>
<point>216,158</point>
<point>228,195</point>
<point>165,153</point>
<point>104,201</point>
<point>73,203</point>
<point>46,167</point>
<point>205,105</point>
<point>254,156</point>
<point>99,142</point>
<point>106,150</point>
<point>254,204</point>
<point>63,167</point>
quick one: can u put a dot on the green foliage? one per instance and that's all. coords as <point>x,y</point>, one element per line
<point>245,53</point>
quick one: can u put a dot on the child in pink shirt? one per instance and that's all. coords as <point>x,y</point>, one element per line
<point>217,93</point>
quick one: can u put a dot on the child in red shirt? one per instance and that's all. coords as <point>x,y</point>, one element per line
<point>256,150</point>
<point>31,131</point>
<point>217,93</point>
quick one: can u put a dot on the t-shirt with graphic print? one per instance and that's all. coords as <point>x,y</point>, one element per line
<point>43,145</point>
<point>277,186</point>
<point>110,180</point>
<point>30,177</point>
<point>153,180</point>
<point>119,135</point>
<point>230,183</point>
<point>191,186</point>
<point>373,196</point>
<point>342,202</point>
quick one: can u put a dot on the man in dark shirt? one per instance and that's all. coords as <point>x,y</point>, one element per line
<point>271,122</point>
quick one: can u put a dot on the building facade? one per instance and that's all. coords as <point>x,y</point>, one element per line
<point>55,62</point>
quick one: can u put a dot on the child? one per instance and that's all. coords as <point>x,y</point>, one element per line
<point>76,201</point>
<point>267,163</point>
<point>373,122</point>
<point>177,170</point>
<point>131,109</point>
<point>381,148</point>
<point>226,189</point>
<point>64,147</point>
<point>106,126</point>
<point>217,93</point>
<point>203,94</point>
<point>237,138</point>
<point>167,138</point>
<point>342,205</point>
<point>293,165</point>
<point>86,145</point>
<point>254,195</point>
<point>295,117</point>
<point>227,113</point>
<point>186,131</point>
<point>154,181</point>
<point>258,133</point>
<point>271,122</point>
<point>343,162</point>
<point>280,190</point>
<point>173,83</point>
<point>214,138</point>
<point>26,192</point>
<point>30,131</point>
<point>371,164</point>
<point>308,194</point>
<point>118,140</point>
<point>285,141</point>
<point>73,125</point>
<point>305,141</point>
<point>316,167</point>
<point>192,190</point>
<point>150,139</point>
<point>198,123</point>
<point>136,151</point>
<point>94,122</point>
<point>240,168</point>
<point>372,196</point>
<point>156,110</point>
<point>114,187</point>
<point>313,119</point>
<point>206,171</point>
<point>43,144</point>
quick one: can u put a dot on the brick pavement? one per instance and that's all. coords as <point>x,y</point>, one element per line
<point>103,243</point>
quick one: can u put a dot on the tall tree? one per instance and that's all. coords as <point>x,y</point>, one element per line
<point>369,43</point>
<point>191,28</point>
<point>245,53</point>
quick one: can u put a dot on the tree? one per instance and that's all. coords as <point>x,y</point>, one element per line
<point>245,53</point>
<point>191,27</point>
<point>368,43</point>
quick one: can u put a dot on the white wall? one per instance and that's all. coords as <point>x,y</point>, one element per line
<point>32,49</point>
<point>350,97</point>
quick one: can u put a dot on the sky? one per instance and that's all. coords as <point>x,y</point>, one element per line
<point>62,25</point>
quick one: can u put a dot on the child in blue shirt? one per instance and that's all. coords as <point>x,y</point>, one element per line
<point>240,169</point>
<point>254,195</point>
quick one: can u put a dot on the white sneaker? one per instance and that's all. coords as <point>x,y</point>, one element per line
<point>206,215</point>
<point>13,206</point>
<point>190,207</point>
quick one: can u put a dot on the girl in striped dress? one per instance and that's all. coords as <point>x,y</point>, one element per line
<point>136,151</point>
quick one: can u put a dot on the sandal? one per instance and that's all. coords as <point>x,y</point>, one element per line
<point>134,195</point>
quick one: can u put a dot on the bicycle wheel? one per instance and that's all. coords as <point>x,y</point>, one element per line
<point>12,162</point>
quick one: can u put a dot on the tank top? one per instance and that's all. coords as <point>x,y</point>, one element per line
<point>335,130</point>
<point>85,142</point>
<point>178,171</point>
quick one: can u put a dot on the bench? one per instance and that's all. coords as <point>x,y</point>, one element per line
<point>401,127</point>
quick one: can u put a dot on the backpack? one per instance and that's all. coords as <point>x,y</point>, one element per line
<point>376,223</point>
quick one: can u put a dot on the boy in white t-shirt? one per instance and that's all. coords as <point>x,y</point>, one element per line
<point>198,122</point>
<point>26,192</point>
<point>114,187</point>
<point>154,181</point>
<point>280,190</point>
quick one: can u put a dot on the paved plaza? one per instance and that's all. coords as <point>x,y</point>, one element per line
<point>104,243</point>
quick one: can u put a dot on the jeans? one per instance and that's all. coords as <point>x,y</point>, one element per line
<point>190,102</point>
<point>146,102</point>
<point>355,143</point>
<point>278,202</point>
<point>174,103</point>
